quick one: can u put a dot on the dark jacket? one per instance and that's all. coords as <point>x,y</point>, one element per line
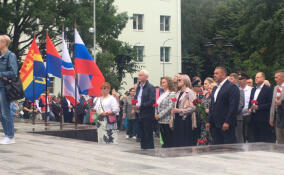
<point>264,100</point>
<point>10,71</point>
<point>148,99</point>
<point>225,109</point>
<point>64,105</point>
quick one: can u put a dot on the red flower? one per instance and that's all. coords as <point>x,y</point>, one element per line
<point>201,93</point>
<point>205,140</point>
<point>278,90</point>
<point>195,101</point>
<point>254,102</point>
<point>155,105</point>
<point>199,141</point>
<point>174,99</point>
<point>134,101</point>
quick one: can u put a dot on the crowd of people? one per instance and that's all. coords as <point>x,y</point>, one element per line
<point>223,109</point>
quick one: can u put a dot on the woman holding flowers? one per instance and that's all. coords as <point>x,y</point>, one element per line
<point>166,103</point>
<point>182,113</point>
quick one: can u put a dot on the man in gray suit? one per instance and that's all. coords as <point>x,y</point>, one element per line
<point>234,78</point>
<point>277,107</point>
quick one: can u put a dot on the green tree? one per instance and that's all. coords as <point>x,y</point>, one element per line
<point>255,27</point>
<point>20,18</point>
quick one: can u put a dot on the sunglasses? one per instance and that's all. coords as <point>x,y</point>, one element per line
<point>104,88</point>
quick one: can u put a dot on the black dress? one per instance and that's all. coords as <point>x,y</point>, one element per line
<point>182,129</point>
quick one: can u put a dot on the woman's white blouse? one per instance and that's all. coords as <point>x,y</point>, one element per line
<point>107,104</point>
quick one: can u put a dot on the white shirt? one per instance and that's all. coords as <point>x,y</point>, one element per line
<point>247,92</point>
<point>139,97</point>
<point>218,89</point>
<point>107,104</point>
<point>257,91</point>
<point>69,103</point>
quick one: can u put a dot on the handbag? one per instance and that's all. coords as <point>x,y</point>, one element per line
<point>13,87</point>
<point>111,119</point>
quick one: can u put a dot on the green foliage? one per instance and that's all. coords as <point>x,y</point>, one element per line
<point>255,27</point>
<point>20,18</point>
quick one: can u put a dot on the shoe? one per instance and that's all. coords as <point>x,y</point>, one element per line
<point>127,136</point>
<point>134,137</point>
<point>7,141</point>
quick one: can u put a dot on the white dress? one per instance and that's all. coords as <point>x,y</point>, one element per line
<point>107,133</point>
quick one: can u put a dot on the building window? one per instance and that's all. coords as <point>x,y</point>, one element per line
<point>165,54</point>
<point>138,21</point>
<point>165,23</point>
<point>139,53</point>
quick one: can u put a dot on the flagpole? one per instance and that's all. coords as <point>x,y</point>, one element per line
<point>95,30</point>
<point>61,111</point>
<point>33,115</point>
<point>46,97</point>
<point>76,80</point>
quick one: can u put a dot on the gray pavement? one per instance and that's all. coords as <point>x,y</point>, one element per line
<point>49,155</point>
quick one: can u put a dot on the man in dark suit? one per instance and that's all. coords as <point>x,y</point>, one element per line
<point>223,109</point>
<point>259,108</point>
<point>145,95</point>
<point>67,110</point>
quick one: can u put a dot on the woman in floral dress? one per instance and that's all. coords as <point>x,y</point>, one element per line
<point>107,107</point>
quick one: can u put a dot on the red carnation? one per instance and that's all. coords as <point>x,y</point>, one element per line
<point>198,141</point>
<point>254,102</point>
<point>174,99</point>
<point>278,90</point>
<point>205,140</point>
<point>155,105</point>
<point>195,101</point>
<point>134,101</point>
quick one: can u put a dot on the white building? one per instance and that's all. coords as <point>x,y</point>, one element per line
<point>154,30</point>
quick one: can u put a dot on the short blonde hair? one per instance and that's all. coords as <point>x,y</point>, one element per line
<point>6,39</point>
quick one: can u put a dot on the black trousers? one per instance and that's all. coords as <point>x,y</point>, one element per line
<point>262,132</point>
<point>223,137</point>
<point>146,132</point>
<point>68,116</point>
<point>167,135</point>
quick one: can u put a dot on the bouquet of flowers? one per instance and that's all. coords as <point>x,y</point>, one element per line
<point>200,110</point>
<point>200,107</point>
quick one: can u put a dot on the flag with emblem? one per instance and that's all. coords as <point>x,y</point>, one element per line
<point>33,69</point>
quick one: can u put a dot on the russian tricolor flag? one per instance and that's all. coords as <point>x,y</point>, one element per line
<point>89,75</point>
<point>53,59</point>
<point>68,74</point>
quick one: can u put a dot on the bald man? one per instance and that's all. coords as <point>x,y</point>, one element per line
<point>259,108</point>
<point>8,70</point>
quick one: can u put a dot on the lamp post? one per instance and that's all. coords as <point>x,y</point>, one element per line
<point>164,55</point>
<point>93,30</point>
<point>216,52</point>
